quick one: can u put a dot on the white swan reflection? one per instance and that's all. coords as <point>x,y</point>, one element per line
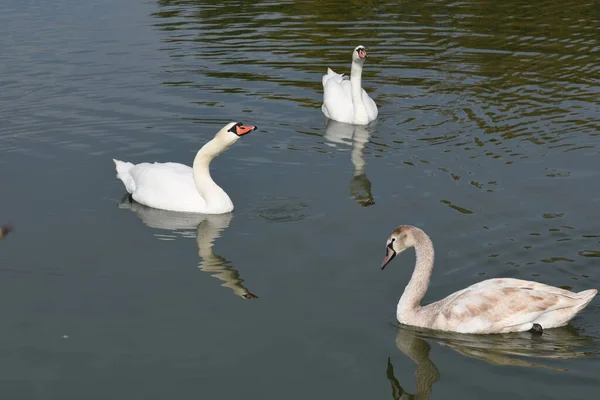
<point>358,136</point>
<point>208,228</point>
<point>515,349</point>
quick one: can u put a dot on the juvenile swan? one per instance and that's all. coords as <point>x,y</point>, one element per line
<point>492,306</point>
<point>345,100</point>
<point>177,187</point>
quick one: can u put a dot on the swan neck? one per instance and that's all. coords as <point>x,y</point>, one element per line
<point>208,189</point>
<point>356,82</point>
<point>419,282</point>
<point>356,71</point>
<point>361,116</point>
<point>211,149</point>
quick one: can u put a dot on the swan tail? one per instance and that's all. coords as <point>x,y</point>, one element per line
<point>330,74</point>
<point>586,296</point>
<point>123,173</point>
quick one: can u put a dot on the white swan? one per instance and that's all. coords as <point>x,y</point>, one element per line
<point>492,306</point>
<point>345,100</point>
<point>177,187</point>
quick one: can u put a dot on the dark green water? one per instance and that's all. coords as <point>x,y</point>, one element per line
<point>487,138</point>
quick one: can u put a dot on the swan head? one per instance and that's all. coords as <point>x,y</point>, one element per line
<point>231,132</point>
<point>401,239</point>
<point>359,54</point>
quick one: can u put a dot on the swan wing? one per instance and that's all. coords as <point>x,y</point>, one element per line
<point>371,106</point>
<point>168,186</point>
<point>506,305</point>
<point>337,98</point>
<point>331,74</point>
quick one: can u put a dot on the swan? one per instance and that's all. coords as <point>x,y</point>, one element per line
<point>177,187</point>
<point>492,306</point>
<point>345,100</point>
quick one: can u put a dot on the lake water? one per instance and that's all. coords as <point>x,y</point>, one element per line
<point>487,138</point>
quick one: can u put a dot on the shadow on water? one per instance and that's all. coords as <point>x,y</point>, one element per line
<point>208,229</point>
<point>502,349</point>
<point>358,136</point>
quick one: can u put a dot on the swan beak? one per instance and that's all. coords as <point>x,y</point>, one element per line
<point>389,255</point>
<point>362,53</point>
<point>241,130</point>
<point>250,296</point>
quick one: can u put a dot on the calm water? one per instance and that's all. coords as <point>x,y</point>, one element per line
<point>487,139</point>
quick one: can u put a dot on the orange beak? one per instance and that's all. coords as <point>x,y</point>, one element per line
<point>362,53</point>
<point>241,130</point>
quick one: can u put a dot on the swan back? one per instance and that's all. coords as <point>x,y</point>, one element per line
<point>507,305</point>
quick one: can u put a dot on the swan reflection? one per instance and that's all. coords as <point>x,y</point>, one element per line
<point>358,135</point>
<point>426,373</point>
<point>208,229</point>
<point>505,349</point>
<point>501,349</point>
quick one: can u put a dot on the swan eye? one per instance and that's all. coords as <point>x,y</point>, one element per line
<point>233,129</point>
<point>391,244</point>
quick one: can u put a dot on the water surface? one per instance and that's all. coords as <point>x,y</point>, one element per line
<point>486,138</point>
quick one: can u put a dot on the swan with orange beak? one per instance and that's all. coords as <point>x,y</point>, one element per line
<point>178,187</point>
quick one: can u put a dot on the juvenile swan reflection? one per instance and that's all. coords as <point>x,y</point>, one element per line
<point>340,133</point>
<point>512,349</point>
<point>426,373</point>
<point>208,229</point>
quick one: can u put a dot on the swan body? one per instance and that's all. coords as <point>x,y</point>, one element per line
<point>178,187</point>
<point>492,306</point>
<point>344,99</point>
